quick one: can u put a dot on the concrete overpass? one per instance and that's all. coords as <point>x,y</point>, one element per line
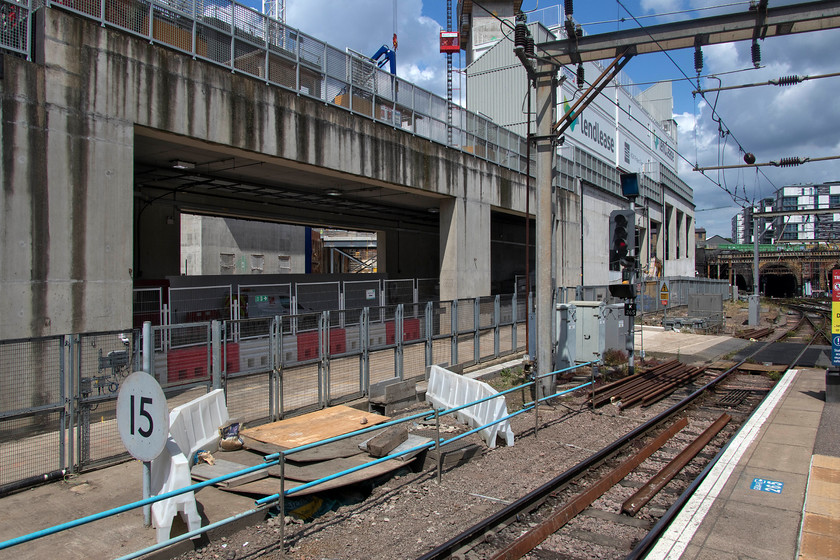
<point>106,132</point>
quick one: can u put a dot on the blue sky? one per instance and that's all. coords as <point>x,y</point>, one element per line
<point>770,121</point>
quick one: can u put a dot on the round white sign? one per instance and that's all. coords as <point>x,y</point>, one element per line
<point>142,416</point>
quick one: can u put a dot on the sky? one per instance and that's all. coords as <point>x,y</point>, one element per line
<point>771,122</point>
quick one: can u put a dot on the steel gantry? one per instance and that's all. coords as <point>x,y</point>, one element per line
<point>760,21</point>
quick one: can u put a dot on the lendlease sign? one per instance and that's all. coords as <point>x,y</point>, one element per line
<point>661,146</point>
<point>593,132</point>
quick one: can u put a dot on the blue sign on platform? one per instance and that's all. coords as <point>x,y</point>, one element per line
<point>835,349</point>
<point>765,485</point>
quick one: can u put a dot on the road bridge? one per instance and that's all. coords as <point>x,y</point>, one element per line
<point>126,115</point>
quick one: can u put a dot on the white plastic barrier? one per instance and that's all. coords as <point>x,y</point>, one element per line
<point>448,390</point>
<point>192,426</point>
<point>170,471</point>
<point>195,425</point>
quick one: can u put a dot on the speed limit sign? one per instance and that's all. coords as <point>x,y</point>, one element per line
<point>142,416</point>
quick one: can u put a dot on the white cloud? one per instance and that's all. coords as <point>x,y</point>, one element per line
<point>770,121</point>
<point>365,25</point>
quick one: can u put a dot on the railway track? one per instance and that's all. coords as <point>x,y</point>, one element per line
<point>595,509</point>
<point>813,322</point>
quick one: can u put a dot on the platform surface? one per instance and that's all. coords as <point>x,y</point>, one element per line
<point>775,492</point>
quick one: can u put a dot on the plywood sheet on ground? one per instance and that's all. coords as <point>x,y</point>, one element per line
<point>315,426</point>
<point>307,472</point>
<point>342,448</point>
<point>271,485</point>
<point>222,467</point>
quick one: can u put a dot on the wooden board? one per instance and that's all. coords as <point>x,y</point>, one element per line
<point>342,448</point>
<point>315,426</point>
<point>307,472</point>
<point>205,471</point>
<point>271,485</point>
<point>413,440</point>
<point>747,367</point>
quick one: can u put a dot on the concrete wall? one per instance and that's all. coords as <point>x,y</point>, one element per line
<point>212,236</point>
<point>67,167</point>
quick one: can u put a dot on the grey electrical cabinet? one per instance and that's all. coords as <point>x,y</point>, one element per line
<point>586,329</point>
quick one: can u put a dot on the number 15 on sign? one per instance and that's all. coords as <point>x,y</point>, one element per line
<point>142,416</point>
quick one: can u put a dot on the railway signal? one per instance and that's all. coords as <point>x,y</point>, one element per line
<point>622,238</point>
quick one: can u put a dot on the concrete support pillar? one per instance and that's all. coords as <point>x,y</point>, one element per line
<point>546,83</point>
<point>464,249</point>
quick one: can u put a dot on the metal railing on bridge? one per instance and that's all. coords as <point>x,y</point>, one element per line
<point>15,27</point>
<point>240,38</point>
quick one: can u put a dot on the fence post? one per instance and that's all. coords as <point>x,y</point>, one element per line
<point>497,317</point>
<point>454,339</point>
<point>324,351</point>
<point>364,345</point>
<point>72,401</point>
<point>477,329</point>
<point>514,316</point>
<point>147,347</point>
<point>216,354</point>
<point>398,340</point>
<point>430,325</point>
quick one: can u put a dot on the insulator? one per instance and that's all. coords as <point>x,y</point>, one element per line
<point>698,59</point>
<point>788,80</point>
<point>520,34</point>
<point>581,78</point>
<point>568,6</point>
<point>756,54</point>
<point>529,45</point>
<point>579,30</point>
<point>789,162</point>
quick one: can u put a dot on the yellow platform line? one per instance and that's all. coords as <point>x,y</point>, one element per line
<point>820,534</point>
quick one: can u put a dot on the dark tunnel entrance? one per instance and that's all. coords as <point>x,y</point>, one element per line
<point>779,281</point>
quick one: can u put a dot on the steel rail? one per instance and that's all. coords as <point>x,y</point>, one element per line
<point>644,545</point>
<point>657,482</point>
<point>539,494</point>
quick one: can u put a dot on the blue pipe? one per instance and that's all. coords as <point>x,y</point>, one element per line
<point>188,535</point>
<point>273,459</point>
<point>127,507</point>
<point>275,497</point>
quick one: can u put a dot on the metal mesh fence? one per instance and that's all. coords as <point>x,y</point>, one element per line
<point>32,392</point>
<point>321,296</point>
<point>30,446</point>
<point>186,357</point>
<point>466,348</point>
<point>486,312</point>
<point>414,360</point>
<point>442,351</point>
<point>247,396</point>
<point>466,315</point>
<point>103,361</point>
<point>356,354</point>
<point>301,388</point>
<point>399,291</point>
<point>487,345</point>
<point>346,381</point>
<point>30,374</point>
<point>15,26</point>
<point>193,305</point>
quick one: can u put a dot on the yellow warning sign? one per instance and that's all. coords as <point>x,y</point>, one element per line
<point>835,317</point>
<point>664,294</point>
